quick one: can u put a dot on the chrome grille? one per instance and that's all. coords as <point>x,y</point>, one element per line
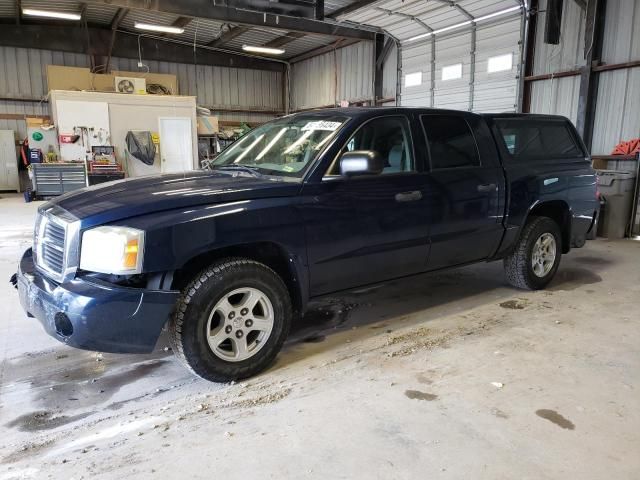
<point>55,247</point>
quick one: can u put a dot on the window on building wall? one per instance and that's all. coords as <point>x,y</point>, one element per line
<point>413,79</point>
<point>500,63</point>
<point>451,72</point>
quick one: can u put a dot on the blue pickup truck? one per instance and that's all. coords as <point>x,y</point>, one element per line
<point>308,204</point>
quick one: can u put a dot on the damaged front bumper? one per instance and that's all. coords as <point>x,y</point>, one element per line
<point>92,314</point>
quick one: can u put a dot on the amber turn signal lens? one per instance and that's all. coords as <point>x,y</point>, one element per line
<point>131,254</point>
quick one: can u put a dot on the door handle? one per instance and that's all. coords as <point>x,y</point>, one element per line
<point>409,196</point>
<point>487,187</point>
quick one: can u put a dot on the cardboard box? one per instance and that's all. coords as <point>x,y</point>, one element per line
<point>207,125</point>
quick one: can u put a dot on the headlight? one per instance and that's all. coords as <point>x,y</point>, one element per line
<point>116,250</point>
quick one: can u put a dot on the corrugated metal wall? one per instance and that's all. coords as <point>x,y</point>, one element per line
<point>492,92</point>
<point>416,58</point>
<point>343,74</point>
<point>497,91</point>
<point>23,76</point>
<point>618,103</point>
<point>617,114</point>
<point>390,75</point>
<point>559,96</point>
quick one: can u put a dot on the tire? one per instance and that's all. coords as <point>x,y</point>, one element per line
<point>199,315</point>
<point>518,266</point>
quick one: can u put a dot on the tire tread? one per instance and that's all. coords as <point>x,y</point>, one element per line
<point>516,264</point>
<point>176,324</point>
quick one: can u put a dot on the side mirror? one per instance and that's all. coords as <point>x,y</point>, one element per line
<point>361,162</point>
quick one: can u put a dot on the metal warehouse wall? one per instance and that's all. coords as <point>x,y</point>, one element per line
<point>325,80</point>
<point>559,96</point>
<point>390,75</point>
<point>23,85</point>
<point>618,101</point>
<point>617,115</point>
<point>477,90</point>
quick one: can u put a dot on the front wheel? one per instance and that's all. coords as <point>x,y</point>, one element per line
<point>535,260</point>
<point>231,320</point>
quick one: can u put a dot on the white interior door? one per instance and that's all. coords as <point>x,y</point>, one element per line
<point>8,162</point>
<point>176,144</point>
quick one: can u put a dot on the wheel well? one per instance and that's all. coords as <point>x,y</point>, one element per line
<point>559,212</point>
<point>268,253</point>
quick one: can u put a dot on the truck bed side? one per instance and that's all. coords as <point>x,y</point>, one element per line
<point>562,187</point>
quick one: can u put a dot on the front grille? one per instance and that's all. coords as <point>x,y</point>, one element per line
<point>50,245</point>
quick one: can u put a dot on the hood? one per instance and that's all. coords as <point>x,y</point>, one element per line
<point>122,199</point>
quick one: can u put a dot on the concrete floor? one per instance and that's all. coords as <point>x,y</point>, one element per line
<point>453,375</point>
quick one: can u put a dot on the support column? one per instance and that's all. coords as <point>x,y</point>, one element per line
<point>472,71</point>
<point>587,98</point>
<point>433,71</point>
<point>529,54</point>
<point>378,67</point>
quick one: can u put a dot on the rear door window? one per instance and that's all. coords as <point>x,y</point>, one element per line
<point>531,139</point>
<point>451,142</point>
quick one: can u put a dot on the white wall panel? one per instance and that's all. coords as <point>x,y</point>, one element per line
<point>618,103</point>
<point>23,76</point>
<point>556,97</point>
<point>492,92</point>
<point>497,91</point>
<point>451,50</point>
<point>343,74</point>
<point>617,110</point>
<point>569,53</point>
<point>416,58</point>
<point>621,31</point>
<point>618,100</point>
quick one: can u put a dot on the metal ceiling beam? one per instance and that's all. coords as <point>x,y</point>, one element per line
<point>291,8</point>
<point>457,6</point>
<point>119,17</point>
<point>227,36</point>
<point>73,39</point>
<point>351,8</point>
<point>409,17</point>
<point>284,39</point>
<point>181,22</point>
<point>319,9</point>
<point>325,49</point>
<point>206,9</point>
<point>115,23</point>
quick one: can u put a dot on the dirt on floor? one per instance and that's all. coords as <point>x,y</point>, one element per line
<point>449,375</point>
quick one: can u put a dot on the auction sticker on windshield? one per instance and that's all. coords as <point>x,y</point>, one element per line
<point>322,125</point>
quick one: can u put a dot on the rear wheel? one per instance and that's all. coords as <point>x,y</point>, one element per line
<point>536,258</point>
<point>231,320</point>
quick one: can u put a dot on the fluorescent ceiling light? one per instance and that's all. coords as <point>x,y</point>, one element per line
<point>159,28</point>
<point>49,14</point>
<point>272,51</point>
<point>462,24</point>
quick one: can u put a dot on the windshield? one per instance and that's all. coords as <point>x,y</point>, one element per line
<point>283,147</point>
